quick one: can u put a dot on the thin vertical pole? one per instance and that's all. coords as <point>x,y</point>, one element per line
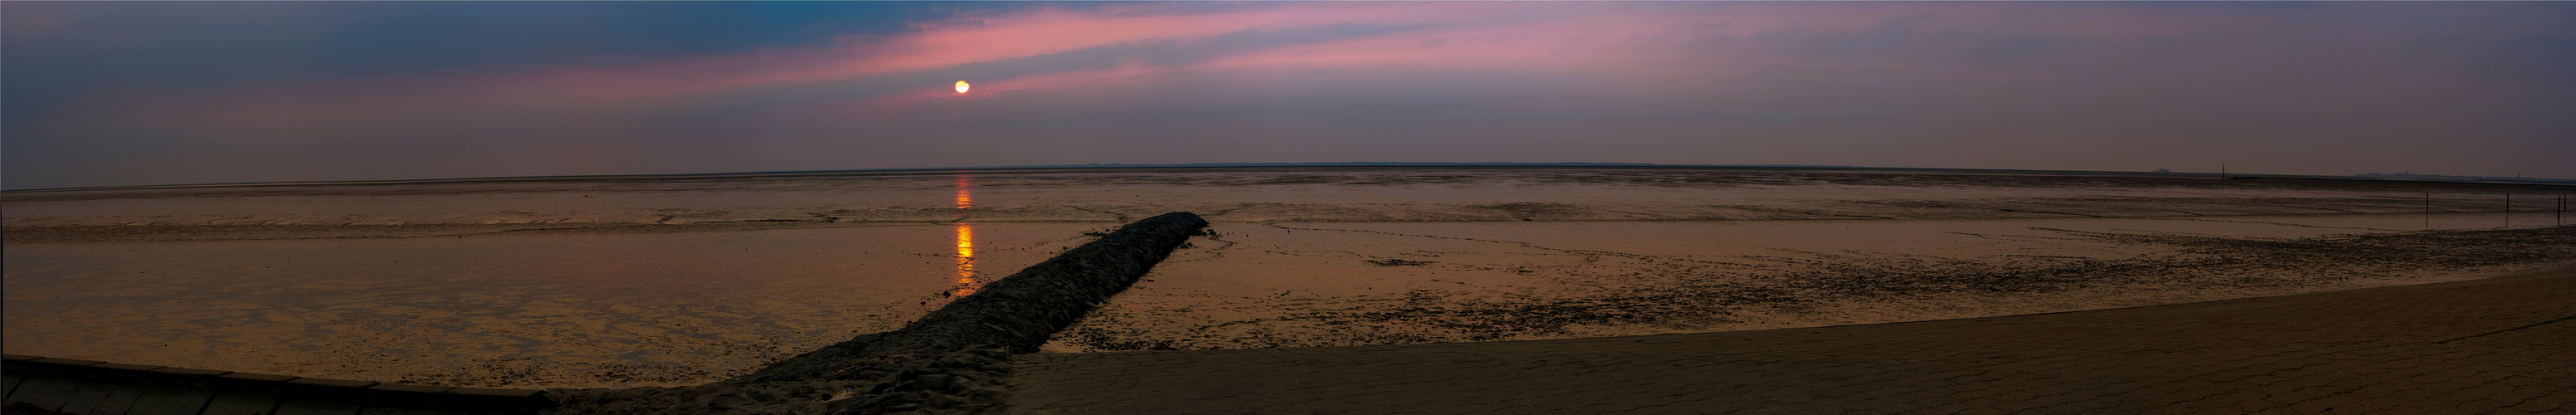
<point>2508,209</point>
<point>2428,211</point>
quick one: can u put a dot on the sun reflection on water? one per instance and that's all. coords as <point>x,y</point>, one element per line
<point>965,194</point>
<point>965,238</point>
<point>965,259</point>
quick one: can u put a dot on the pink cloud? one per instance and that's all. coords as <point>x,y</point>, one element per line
<point>367,100</point>
<point>1129,75</point>
<point>1614,39</point>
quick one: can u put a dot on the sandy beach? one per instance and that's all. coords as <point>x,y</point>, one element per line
<point>2484,346</point>
<point>621,282</point>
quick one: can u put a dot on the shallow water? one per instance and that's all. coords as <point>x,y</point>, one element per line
<point>633,282</point>
<point>1246,195</point>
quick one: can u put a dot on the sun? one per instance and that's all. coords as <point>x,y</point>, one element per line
<point>961,87</point>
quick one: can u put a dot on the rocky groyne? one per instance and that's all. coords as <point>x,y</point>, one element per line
<point>950,361</point>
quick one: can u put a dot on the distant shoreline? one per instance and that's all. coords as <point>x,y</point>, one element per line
<point>1340,165</point>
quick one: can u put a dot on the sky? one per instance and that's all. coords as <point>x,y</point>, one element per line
<point>147,93</point>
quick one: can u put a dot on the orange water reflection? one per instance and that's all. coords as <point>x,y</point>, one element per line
<point>965,259</point>
<point>965,238</point>
<point>965,193</point>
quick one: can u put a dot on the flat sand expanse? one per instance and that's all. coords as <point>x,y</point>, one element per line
<point>673,281</point>
<point>2503,345</point>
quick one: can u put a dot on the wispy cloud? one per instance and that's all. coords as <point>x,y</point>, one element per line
<point>1659,78</point>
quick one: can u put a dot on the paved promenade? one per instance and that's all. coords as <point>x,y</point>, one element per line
<point>2500,345</point>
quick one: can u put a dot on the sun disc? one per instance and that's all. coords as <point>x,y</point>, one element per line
<point>961,87</point>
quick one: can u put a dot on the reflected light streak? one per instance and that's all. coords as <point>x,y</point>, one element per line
<point>965,238</point>
<point>965,259</point>
<point>965,193</point>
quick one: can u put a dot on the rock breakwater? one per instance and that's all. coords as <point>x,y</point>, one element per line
<point>950,361</point>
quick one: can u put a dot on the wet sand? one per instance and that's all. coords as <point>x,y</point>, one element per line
<point>1422,283</point>
<point>2487,346</point>
<point>678,281</point>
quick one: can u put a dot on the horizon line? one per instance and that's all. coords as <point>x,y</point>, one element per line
<point>2393,177</point>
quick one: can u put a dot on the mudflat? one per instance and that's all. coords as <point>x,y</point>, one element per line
<point>2499,345</point>
<point>620,282</point>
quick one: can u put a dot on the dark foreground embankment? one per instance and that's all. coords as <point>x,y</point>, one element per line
<point>45,386</point>
<point>951,360</point>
